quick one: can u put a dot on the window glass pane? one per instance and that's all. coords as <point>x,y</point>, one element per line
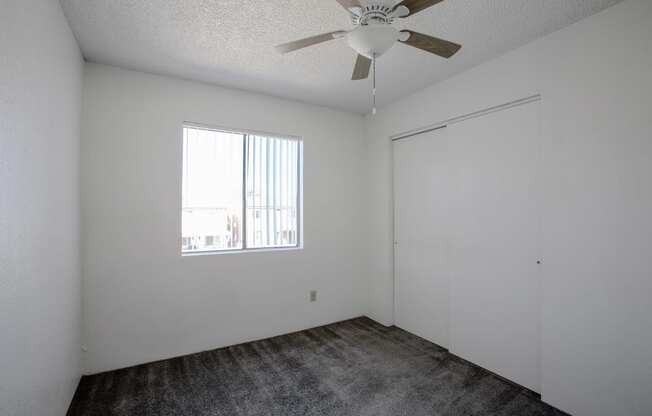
<point>272,190</point>
<point>212,190</point>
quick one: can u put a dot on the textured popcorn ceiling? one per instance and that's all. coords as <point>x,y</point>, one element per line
<point>230,42</point>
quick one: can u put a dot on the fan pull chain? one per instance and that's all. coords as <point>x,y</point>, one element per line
<point>373,91</point>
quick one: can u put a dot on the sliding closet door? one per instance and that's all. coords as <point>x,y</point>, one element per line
<point>495,305</point>
<point>422,241</point>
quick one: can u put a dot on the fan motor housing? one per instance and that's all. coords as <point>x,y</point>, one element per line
<point>375,13</point>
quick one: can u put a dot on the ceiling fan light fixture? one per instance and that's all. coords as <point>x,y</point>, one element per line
<point>373,35</point>
<point>372,40</point>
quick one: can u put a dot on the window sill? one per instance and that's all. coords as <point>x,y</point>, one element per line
<point>239,251</point>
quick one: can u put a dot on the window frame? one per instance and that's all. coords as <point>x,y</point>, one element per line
<point>299,172</point>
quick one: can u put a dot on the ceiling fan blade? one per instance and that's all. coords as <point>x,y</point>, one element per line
<point>439,47</point>
<point>415,6</point>
<point>361,68</point>
<point>349,4</point>
<point>313,40</point>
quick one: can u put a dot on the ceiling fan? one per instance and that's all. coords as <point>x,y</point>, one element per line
<point>374,34</point>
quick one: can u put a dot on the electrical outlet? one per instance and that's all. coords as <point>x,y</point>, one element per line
<point>313,296</point>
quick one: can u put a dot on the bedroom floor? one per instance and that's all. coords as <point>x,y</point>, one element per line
<point>356,367</point>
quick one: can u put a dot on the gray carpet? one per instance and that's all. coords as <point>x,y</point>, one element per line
<point>356,367</point>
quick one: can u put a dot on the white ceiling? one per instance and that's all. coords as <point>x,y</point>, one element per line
<point>230,42</point>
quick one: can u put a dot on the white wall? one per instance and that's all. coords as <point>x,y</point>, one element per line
<point>142,300</point>
<point>40,108</point>
<point>595,79</point>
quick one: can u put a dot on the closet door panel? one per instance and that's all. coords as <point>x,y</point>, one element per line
<point>422,238</point>
<point>495,289</point>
